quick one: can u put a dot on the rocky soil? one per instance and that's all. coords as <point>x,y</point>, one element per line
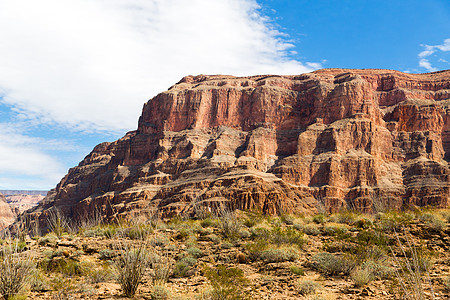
<point>346,255</point>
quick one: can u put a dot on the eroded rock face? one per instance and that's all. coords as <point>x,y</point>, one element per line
<point>7,216</point>
<point>335,137</point>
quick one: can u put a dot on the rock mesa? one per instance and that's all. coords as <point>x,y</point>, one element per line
<point>330,139</point>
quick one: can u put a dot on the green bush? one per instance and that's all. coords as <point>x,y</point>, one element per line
<point>255,249</point>
<point>287,235</point>
<point>208,222</point>
<point>287,219</point>
<point>432,221</point>
<point>130,267</point>
<point>227,283</point>
<point>311,229</point>
<point>279,254</point>
<point>307,287</point>
<point>334,230</point>
<point>297,270</point>
<point>14,270</point>
<point>319,219</point>
<point>346,217</point>
<point>393,220</point>
<point>194,252</point>
<point>106,254</point>
<point>183,266</point>
<point>160,292</point>
<point>333,265</point>
<point>361,276</point>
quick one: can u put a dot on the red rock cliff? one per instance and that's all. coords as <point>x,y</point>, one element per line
<point>335,137</point>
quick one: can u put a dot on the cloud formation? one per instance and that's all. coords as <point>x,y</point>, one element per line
<point>92,64</point>
<point>24,163</point>
<point>429,50</point>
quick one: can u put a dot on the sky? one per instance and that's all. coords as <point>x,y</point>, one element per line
<point>75,73</point>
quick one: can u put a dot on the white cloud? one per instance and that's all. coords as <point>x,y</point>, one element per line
<point>430,50</point>
<point>424,63</point>
<point>92,64</point>
<point>23,163</point>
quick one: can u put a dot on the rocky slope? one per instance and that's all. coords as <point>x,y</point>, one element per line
<point>333,138</point>
<point>7,215</point>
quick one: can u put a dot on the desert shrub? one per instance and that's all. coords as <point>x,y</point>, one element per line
<point>446,282</point>
<point>260,233</point>
<point>363,223</point>
<point>48,240</point>
<point>213,238</point>
<point>183,266</point>
<point>57,222</point>
<point>255,249</point>
<point>38,282</point>
<point>226,245</point>
<point>106,254</point>
<point>14,270</point>
<point>311,229</point>
<point>319,219</point>
<point>279,254</point>
<point>100,274</point>
<point>297,270</point>
<point>393,220</point>
<point>62,286</point>
<point>73,268</point>
<point>345,217</point>
<point>138,232</point>
<point>109,231</point>
<point>227,283</point>
<point>161,268</point>
<point>287,235</point>
<point>159,292</point>
<point>194,252</point>
<point>160,241</point>
<point>244,233</point>
<point>334,229</point>
<point>208,222</point>
<point>371,237</point>
<point>432,221</point>
<point>378,268</point>
<point>307,287</point>
<point>445,214</point>
<point>249,222</point>
<point>229,223</point>
<point>361,276</point>
<point>409,274</point>
<point>287,219</point>
<point>333,265</point>
<point>130,267</point>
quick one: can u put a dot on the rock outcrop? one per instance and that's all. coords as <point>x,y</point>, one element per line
<point>7,215</point>
<point>333,138</point>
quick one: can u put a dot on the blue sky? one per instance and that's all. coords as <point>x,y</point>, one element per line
<point>75,73</point>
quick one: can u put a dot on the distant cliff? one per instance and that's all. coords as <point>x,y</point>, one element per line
<point>335,138</point>
<point>7,215</point>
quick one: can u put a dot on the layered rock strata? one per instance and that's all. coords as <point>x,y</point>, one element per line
<point>330,139</point>
<point>7,215</point>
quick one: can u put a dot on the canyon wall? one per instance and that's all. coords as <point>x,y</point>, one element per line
<point>331,139</point>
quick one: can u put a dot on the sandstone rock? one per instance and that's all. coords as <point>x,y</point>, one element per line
<point>334,137</point>
<point>7,215</point>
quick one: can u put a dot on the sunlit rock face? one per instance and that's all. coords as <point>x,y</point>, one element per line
<point>7,215</point>
<point>336,137</point>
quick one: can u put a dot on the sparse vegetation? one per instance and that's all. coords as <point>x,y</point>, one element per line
<point>360,251</point>
<point>307,287</point>
<point>130,267</point>
<point>14,270</point>
<point>227,283</point>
